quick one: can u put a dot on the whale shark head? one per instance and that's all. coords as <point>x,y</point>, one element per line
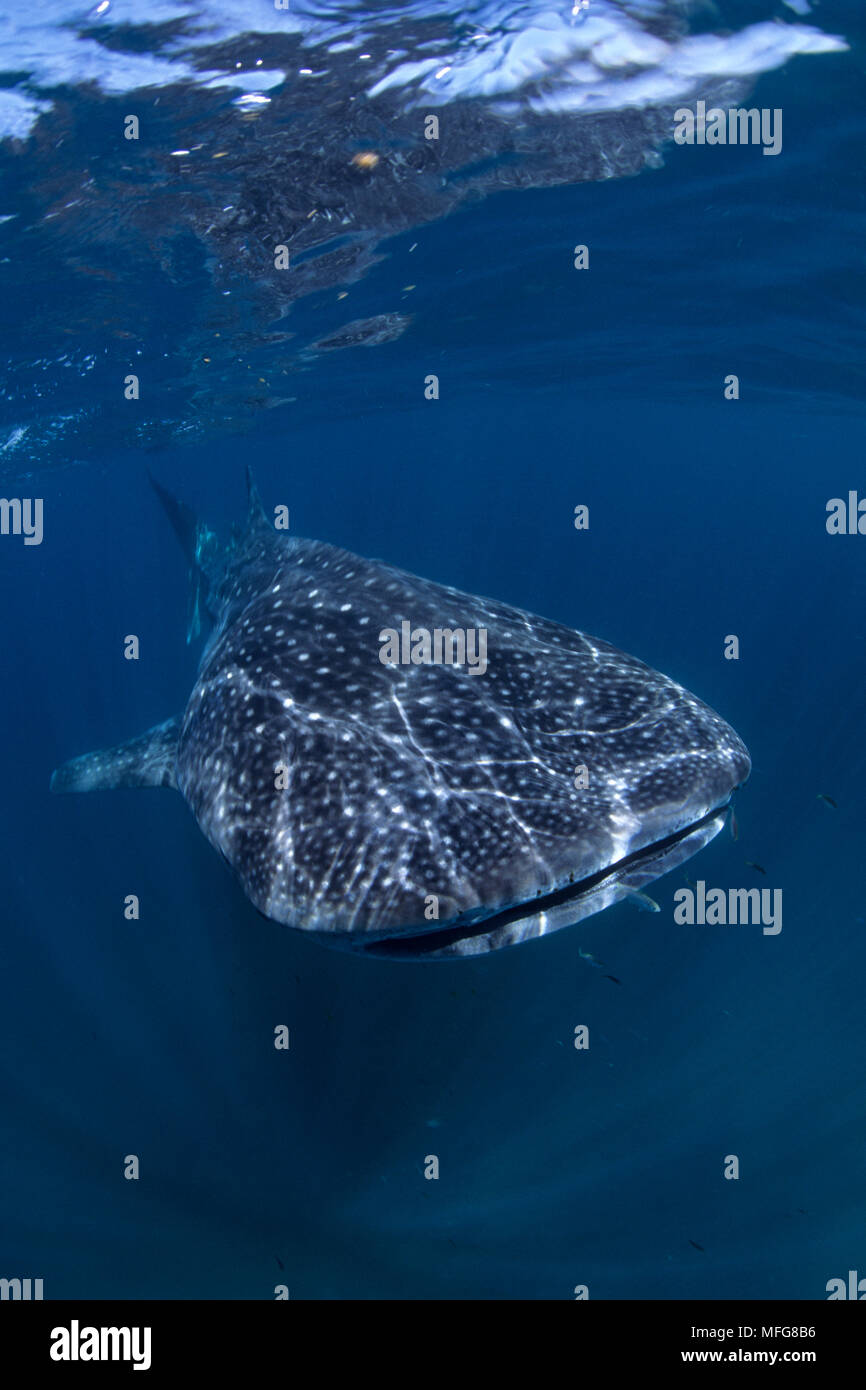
<point>373,780</point>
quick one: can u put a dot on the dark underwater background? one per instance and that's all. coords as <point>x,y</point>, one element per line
<point>558,1167</point>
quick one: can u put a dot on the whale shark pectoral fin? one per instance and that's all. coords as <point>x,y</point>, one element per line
<point>145,761</point>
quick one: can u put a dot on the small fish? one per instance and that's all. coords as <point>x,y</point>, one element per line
<point>752,865</point>
<point>644,900</point>
<point>593,960</point>
<point>822,796</point>
<point>735,828</point>
<point>279,1262</point>
<point>383,328</point>
<point>96,271</point>
<point>613,977</point>
<point>14,438</point>
<point>697,1247</point>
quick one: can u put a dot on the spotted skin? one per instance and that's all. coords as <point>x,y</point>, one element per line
<point>349,795</point>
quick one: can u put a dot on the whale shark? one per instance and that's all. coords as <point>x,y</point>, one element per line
<point>399,805</point>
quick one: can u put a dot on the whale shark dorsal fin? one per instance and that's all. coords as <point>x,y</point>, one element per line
<point>255,509</point>
<point>145,761</point>
<point>200,546</point>
<point>184,521</point>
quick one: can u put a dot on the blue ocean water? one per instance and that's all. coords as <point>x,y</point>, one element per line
<point>558,387</point>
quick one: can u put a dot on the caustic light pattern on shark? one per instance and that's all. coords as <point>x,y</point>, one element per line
<point>348,794</point>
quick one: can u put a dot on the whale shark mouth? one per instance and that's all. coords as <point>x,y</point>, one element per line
<point>549,912</point>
